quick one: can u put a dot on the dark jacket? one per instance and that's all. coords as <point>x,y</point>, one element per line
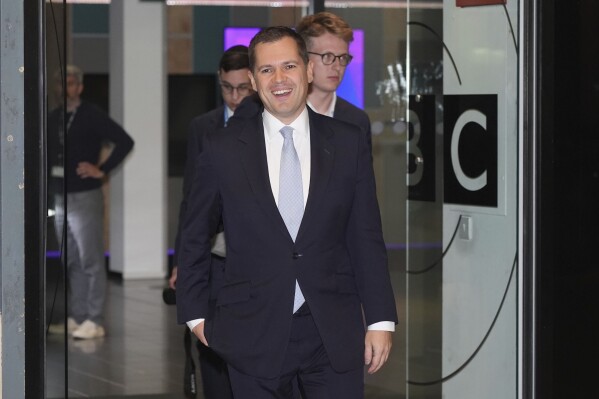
<point>89,130</point>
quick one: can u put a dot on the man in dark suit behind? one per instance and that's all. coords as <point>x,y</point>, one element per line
<point>294,299</point>
<point>235,86</point>
<point>327,38</point>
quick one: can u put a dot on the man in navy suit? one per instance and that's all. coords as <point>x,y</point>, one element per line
<point>336,261</point>
<point>235,86</point>
<point>327,38</point>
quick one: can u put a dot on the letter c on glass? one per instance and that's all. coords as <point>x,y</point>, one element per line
<point>469,183</point>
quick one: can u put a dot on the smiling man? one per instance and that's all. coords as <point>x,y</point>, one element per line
<point>327,38</point>
<point>306,261</point>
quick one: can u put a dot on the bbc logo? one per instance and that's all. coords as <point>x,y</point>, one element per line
<point>470,161</point>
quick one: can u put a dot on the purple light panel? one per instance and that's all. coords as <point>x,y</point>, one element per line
<point>352,87</point>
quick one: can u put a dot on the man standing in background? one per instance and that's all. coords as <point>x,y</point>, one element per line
<point>327,38</point>
<point>85,131</point>
<point>235,86</point>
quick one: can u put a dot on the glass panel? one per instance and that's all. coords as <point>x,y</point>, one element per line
<point>448,289</point>
<point>56,360</point>
<point>380,87</point>
<point>425,202</point>
<point>384,86</point>
<point>462,202</point>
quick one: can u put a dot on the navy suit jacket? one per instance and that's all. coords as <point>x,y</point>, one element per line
<point>209,122</point>
<point>346,111</point>
<point>199,126</point>
<point>339,256</point>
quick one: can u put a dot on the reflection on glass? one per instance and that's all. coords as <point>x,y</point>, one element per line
<point>56,360</point>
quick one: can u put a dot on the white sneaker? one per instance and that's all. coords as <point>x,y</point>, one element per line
<point>58,328</point>
<point>72,325</point>
<point>88,329</point>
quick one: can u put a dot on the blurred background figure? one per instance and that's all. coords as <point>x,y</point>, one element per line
<point>81,169</point>
<point>235,86</point>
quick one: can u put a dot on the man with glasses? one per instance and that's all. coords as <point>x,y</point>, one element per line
<point>235,85</point>
<point>327,37</point>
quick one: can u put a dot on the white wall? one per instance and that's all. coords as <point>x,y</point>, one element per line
<point>476,271</point>
<point>138,225</point>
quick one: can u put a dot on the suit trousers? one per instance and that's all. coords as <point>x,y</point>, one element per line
<point>306,366</point>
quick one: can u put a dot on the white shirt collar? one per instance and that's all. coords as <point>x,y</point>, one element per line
<point>331,109</point>
<point>272,125</point>
<point>228,113</point>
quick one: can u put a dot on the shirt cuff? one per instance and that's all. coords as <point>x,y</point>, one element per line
<point>192,323</point>
<point>381,326</point>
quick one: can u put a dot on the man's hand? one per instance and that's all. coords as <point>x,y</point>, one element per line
<point>199,332</point>
<point>172,281</point>
<point>86,169</point>
<point>378,346</point>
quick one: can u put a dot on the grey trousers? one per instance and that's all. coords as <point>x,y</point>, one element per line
<point>84,254</point>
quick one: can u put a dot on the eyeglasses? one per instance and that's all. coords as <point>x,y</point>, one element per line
<point>242,89</point>
<point>329,58</point>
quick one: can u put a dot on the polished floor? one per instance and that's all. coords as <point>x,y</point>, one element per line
<point>142,355</point>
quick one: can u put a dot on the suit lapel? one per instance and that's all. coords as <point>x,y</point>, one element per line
<point>253,158</point>
<point>322,157</point>
<point>322,153</point>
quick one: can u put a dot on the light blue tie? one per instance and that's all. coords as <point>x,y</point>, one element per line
<point>291,197</point>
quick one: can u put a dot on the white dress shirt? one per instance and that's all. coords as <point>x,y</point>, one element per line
<point>273,140</point>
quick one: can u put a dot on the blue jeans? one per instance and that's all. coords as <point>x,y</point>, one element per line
<point>85,254</point>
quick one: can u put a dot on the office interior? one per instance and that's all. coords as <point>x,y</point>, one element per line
<point>484,121</point>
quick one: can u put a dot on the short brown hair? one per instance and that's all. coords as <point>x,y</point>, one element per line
<point>318,24</point>
<point>234,59</point>
<point>274,34</point>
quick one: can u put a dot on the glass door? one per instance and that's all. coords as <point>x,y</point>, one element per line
<point>439,84</point>
<point>462,208</point>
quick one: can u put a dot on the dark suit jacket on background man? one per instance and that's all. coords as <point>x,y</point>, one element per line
<point>346,111</point>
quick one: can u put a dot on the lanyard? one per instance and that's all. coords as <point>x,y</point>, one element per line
<point>68,127</point>
<point>71,118</point>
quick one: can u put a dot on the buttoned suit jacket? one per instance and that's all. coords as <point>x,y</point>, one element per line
<point>339,256</point>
